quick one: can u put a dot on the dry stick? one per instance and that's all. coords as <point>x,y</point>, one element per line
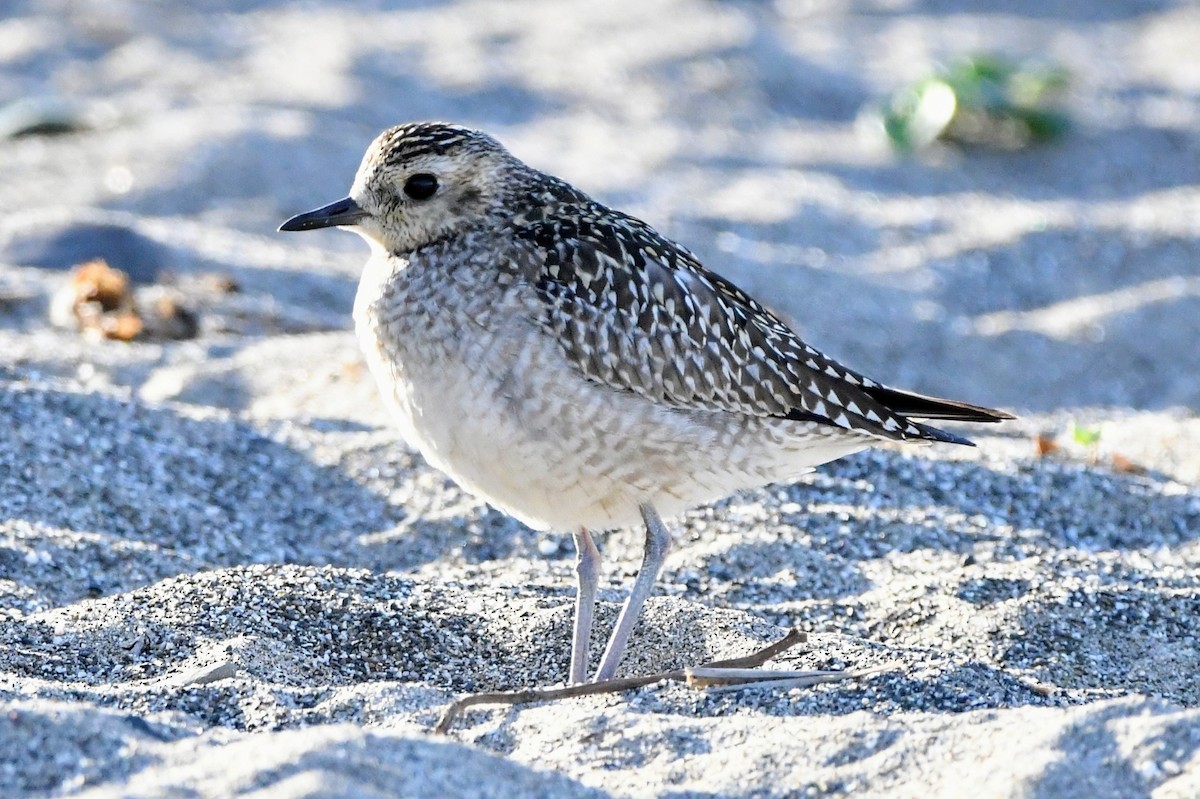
<point>607,686</point>
<point>760,656</point>
<point>705,676</point>
<point>808,679</point>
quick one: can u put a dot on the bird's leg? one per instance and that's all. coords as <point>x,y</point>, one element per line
<point>657,542</point>
<point>587,570</point>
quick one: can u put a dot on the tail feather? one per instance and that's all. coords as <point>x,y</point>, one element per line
<point>920,406</point>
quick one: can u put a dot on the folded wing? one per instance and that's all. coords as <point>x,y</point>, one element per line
<point>636,312</point>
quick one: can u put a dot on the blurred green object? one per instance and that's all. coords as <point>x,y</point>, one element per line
<point>1085,436</point>
<point>986,100</point>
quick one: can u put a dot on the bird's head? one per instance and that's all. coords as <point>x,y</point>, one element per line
<point>420,183</point>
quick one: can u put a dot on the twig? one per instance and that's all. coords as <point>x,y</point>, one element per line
<point>704,676</point>
<point>801,679</point>
<point>760,656</point>
<point>525,696</point>
<point>544,695</point>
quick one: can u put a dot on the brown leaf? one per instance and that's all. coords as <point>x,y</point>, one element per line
<point>123,326</point>
<point>96,281</point>
<point>1120,463</point>
<point>1045,445</point>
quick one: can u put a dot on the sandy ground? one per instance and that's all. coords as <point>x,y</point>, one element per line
<point>221,574</point>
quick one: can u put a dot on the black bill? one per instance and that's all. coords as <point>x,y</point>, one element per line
<point>342,212</point>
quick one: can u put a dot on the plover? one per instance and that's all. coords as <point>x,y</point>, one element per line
<point>576,369</point>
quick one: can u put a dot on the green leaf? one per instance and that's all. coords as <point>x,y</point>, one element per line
<point>982,99</point>
<point>1085,436</point>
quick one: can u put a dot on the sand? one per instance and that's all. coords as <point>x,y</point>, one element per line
<point>222,574</point>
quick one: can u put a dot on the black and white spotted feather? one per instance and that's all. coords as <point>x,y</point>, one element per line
<point>637,312</point>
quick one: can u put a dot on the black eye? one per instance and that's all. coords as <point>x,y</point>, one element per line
<point>421,186</point>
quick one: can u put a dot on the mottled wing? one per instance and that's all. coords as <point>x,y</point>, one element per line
<point>635,311</point>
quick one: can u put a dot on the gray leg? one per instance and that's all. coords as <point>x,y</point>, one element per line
<point>587,570</point>
<point>657,542</point>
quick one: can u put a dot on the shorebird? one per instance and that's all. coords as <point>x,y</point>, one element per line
<point>576,369</point>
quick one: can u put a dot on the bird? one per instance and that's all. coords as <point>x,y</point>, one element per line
<point>578,370</point>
